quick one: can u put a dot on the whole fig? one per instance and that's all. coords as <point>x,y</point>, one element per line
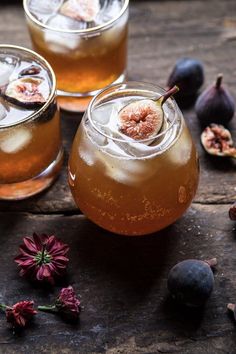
<point>188,75</point>
<point>190,282</point>
<point>215,104</point>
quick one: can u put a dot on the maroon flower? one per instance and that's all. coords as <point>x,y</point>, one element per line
<point>20,313</point>
<point>66,304</point>
<point>42,257</point>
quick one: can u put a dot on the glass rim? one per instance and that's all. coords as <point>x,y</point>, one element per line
<point>82,31</point>
<point>128,139</point>
<point>52,94</point>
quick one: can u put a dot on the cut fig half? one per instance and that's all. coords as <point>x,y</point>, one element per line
<point>143,119</point>
<point>25,92</point>
<point>81,10</point>
<point>217,141</point>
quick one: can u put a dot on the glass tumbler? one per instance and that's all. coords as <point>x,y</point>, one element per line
<point>132,187</point>
<point>86,57</point>
<point>31,152</point>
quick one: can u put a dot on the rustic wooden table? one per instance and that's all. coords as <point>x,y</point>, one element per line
<point>122,281</point>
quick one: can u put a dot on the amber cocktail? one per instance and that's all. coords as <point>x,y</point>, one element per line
<point>127,186</point>
<point>87,50</point>
<point>30,139</point>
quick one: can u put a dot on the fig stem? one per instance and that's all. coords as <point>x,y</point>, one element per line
<point>169,93</point>
<point>219,80</point>
<point>211,262</point>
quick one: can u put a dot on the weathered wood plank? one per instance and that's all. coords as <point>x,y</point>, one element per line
<point>122,283</point>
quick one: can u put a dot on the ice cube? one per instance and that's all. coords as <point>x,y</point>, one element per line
<point>86,156</point>
<point>131,171</point>
<point>180,152</point>
<point>127,170</point>
<point>7,66</point>
<point>109,10</point>
<point>106,118</point>
<point>112,36</point>
<point>62,42</point>
<point>44,9</point>
<point>97,138</point>
<point>3,112</point>
<point>102,113</point>
<point>15,140</point>
<point>65,23</point>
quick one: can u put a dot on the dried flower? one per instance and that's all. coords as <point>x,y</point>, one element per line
<point>232,309</point>
<point>67,301</point>
<point>232,212</point>
<point>66,304</point>
<point>42,257</point>
<point>20,313</point>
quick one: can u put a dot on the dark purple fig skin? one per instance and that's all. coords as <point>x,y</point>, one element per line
<point>31,70</point>
<point>21,103</point>
<point>215,105</point>
<point>26,105</point>
<point>188,75</point>
<point>191,282</point>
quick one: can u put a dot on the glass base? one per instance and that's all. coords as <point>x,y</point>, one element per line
<point>78,102</point>
<point>25,189</point>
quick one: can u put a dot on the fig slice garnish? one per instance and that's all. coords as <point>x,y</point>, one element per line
<point>25,92</point>
<point>81,10</point>
<point>31,70</point>
<point>217,141</point>
<point>143,119</point>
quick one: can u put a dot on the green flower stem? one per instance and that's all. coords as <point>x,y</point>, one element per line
<point>48,308</point>
<point>3,307</point>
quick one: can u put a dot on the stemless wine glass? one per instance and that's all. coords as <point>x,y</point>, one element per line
<point>127,186</point>
<point>31,153</point>
<point>86,56</point>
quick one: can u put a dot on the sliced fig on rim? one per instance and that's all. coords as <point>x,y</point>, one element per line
<point>141,119</point>
<point>25,92</point>
<point>144,119</point>
<point>81,10</point>
<point>217,140</point>
<point>31,70</point>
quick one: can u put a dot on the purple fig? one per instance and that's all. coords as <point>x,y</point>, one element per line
<point>31,70</point>
<point>215,104</point>
<point>188,75</point>
<point>190,282</point>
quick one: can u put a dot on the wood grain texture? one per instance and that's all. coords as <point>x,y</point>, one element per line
<point>122,284</point>
<point>122,281</point>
